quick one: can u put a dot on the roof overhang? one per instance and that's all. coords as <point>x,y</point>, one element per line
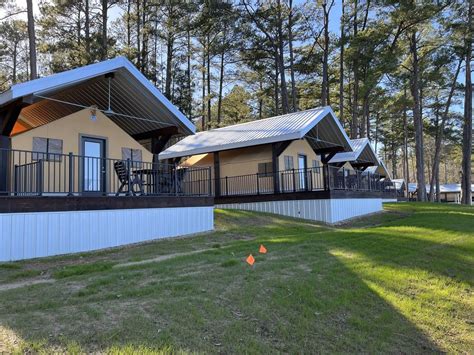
<point>136,105</point>
<point>363,156</point>
<point>324,133</point>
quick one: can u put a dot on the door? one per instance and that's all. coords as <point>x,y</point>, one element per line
<point>93,165</point>
<point>302,168</point>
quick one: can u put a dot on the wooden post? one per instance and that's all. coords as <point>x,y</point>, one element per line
<point>217,175</point>
<point>4,163</point>
<point>275,168</point>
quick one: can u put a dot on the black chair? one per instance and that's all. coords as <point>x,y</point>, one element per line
<point>125,179</point>
<point>179,176</point>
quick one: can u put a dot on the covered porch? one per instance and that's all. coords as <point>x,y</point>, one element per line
<point>76,134</point>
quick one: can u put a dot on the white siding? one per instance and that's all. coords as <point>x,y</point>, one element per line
<point>329,211</point>
<point>39,234</point>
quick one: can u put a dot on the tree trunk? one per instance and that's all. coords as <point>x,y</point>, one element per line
<point>129,25</point>
<point>277,91</point>
<point>406,175</point>
<point>440,132</point>
<point>324,85</point>
<point>467,130</point>
<point>290,43</point>
<point>144,55</point>
<point>139,62</point>
<point>14,64</point>
<point>355,98</point>
<point>31,40</point>
<point>169,63</point>
<point>188,72</point>
<point>87,25</point>
<point>281,62</point>
<point>203,108</point>
<point>209,113</point>
<point>104,29</point>
<point>418,121</point>
<point>221,78</point>
<point>341,68</point>
<point>365,125</point>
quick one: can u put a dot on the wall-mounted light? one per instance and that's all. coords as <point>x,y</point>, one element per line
<point>93,113</point>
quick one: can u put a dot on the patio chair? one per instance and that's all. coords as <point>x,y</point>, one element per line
<point>180,174</point>
<point>124,177</point>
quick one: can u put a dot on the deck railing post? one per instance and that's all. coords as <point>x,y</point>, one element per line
<point>175,180</point>
<point>210,180</point>
<point>71,174</point>
<point>39,177</point>
<point>129,181</point>
<point>294,180</point>
<point>258,184</point>
<point>226,186</point>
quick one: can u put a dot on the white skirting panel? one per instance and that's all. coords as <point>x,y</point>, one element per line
<point>329,211</point>
<point>39,234</point>
<point>387,200</point>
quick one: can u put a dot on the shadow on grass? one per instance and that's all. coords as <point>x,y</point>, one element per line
<point>298,298</point>
<point>318,289</point>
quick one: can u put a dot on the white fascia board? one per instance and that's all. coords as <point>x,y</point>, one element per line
<point>74,76</point>
<point>237,145</point>
<point>158,95</point>
<point>320,116</point>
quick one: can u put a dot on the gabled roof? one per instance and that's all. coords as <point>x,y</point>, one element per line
<point>319,125</point>
<point>137,105</point>
<point>362,153</point>
<point>380,169</point>
<point>444,188</point>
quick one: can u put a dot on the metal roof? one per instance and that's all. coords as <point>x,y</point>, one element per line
<point>380,169</point>
<point>137,106</point>
<point>444,188</point>
<point>362,153</point>
<point>319,126</point>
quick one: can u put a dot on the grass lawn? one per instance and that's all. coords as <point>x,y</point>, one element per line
<point>398,282</point>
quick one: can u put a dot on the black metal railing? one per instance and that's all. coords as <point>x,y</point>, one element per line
<point>27,173</point>
<point>297,180</point>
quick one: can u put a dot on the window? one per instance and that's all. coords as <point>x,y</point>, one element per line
<point>316,166</point>
<point>47,149</point>
<point>135,156</point>
<point>289,164</point>
<point>265,169</point>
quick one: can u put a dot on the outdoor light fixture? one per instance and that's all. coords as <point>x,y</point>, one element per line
<point>94,113</point>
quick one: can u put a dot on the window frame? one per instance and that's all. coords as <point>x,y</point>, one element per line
<point>267,167</point>
<point>287,159</point>
<point>38,155</point>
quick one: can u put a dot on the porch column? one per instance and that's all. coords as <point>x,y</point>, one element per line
<point>277,149</point>
<point>217,175</point>
<point>8,116</point>
<point>275,169</point>
<point>5,145</point>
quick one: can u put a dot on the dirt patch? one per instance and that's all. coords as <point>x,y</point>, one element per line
<point>160,258</point>
<point>11,286</point>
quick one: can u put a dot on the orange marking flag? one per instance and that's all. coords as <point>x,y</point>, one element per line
<point>262,250</point>
<point>250,260</point>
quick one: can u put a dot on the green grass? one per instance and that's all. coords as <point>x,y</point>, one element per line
<point>398,282</point>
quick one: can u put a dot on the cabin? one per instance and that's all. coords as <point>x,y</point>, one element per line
<point>79,165</point>
<point>450,193</point>
<point>282,165</point>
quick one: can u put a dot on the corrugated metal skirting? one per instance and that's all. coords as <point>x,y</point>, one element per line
<point>329,211</point>
<point>32,235</point>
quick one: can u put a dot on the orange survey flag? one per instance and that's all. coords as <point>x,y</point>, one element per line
<point>250,259</point>
<point>262,249</point>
